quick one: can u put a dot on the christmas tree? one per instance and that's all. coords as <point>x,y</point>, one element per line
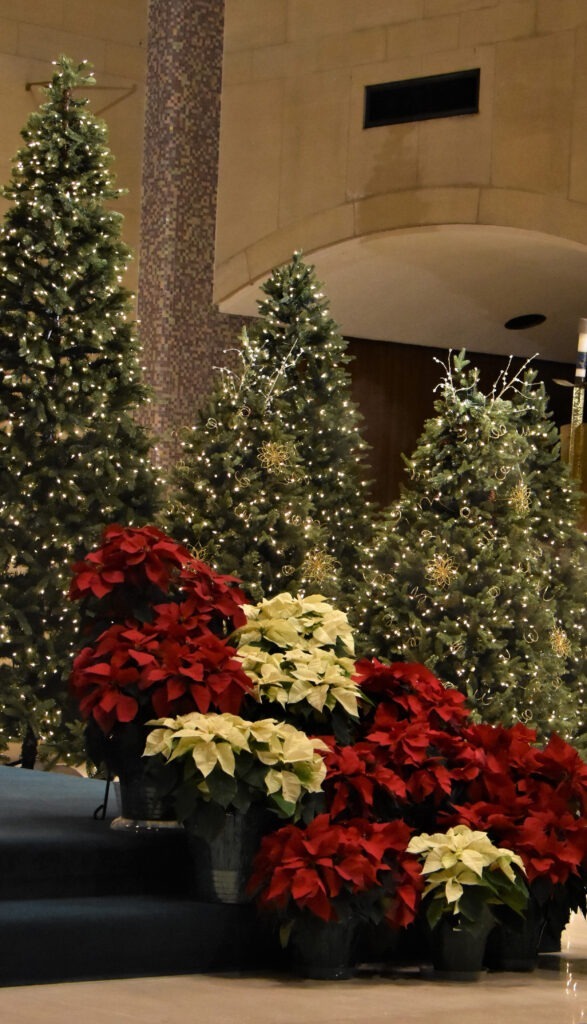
<point>555,504</point>
<point>300,352</point>
<point>72,458</point>
<point>294,374</point>
<point>241,501</point>
<point>458,582</point>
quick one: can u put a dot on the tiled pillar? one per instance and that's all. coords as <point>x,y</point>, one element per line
<point>182,334</point>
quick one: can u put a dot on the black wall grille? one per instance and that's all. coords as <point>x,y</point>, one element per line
<point>420,99</point>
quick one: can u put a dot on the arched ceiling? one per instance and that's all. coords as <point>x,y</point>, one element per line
<point>452,286</point>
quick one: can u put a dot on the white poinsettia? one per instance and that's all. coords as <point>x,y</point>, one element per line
<point>299,650</point>
<point>289,762</point>
<point>458,858</point>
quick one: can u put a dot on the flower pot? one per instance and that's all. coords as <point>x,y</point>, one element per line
<point>377,943</point>
<point>222,864</point>
<point>515,947</point>
<point>322,949</point>
<point>142,802</point>
<point>457,948</point>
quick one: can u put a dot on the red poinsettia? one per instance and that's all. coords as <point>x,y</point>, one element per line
<point>410,756</point>
<point>136,567</point>
<point>158,619</point>
<point>131,555</point>
<point>331,870</point>
<point>528,798</point>
<point>411,690</point>
<point>136,672</point>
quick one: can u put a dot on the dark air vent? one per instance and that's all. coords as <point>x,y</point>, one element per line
<point>419,99</point>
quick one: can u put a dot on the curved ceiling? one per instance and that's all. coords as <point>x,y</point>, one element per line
<point>452,286</point>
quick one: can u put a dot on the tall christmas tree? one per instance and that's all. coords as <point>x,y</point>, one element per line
<point>72,458</point>
<point>458,583</point>
<point>555,504</point>
<point>293,373</point>
<point>300,352</point>
<point>241,500</point>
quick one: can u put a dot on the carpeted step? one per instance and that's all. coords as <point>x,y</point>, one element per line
<point>52,846</point>
<point>109,937</point>
<point>81,900</point>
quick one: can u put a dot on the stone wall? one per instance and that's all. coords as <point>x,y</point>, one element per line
<point>298,171</point>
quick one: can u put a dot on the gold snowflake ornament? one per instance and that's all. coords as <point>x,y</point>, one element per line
<point>560,642</point>
<point>519,499</point>
<point>442,570</point>
<point>319,566</point>
<point>276,456</point>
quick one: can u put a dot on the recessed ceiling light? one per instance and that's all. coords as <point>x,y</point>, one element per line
<point>521,323</point>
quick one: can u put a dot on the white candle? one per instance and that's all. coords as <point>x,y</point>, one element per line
<point>581,351</point>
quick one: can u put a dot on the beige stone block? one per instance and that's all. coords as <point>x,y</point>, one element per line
<point>416,207</point>
<point>532,211</point>
<point>508,20</point>
<point>237,67</point>
<point>427,36</point>
<point>315,139</point>
<point>248,176</point>
<point>82,16</point>
<point>432,8</point>
<point>254,23</point>
<point>367,46</point>
<point>382,160</point>
<point>573,222</point>
<point>45,43</point>
<point>126,61</point>
<point>284,61</point>
<point>8,36</point>
<point>558,15</point>
<point>230,277</point>
<point>457,150</point>
<point>515,208</point>
<point>123,21</point>
<point>307,19</point>
<point>346,49</point>
<point>532,116</point>
<point>463,59</point>
<point>34,12</point>
<point>578,169</point>
<point>386,12</point>
<point>333,51</point>
<point>309,234</point>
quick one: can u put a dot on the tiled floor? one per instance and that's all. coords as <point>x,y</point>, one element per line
<point>555,994</point>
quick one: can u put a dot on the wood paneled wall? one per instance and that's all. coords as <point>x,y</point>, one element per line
<point>393,386</point>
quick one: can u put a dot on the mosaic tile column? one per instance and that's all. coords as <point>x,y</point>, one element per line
<point>183,335</point>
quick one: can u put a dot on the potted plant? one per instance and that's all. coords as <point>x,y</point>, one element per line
<point>466,876</point>
<point>299,653</point>
<point>225,774</point>
<point>532,799</point>
<point>155,628</point>
<point>320,881</point>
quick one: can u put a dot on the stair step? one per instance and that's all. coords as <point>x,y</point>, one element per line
<point>127,936</point>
